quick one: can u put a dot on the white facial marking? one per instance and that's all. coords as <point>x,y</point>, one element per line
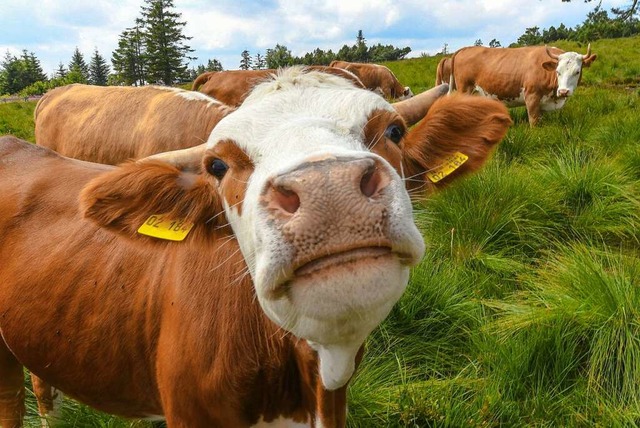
<point>283,125</point>
<point>568,72</point>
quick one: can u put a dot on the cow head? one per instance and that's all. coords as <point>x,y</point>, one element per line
<point>568,67</point>
<point>314,175</point>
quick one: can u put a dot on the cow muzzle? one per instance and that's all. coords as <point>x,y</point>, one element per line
<point>331,211</point>
<point>339,214</point>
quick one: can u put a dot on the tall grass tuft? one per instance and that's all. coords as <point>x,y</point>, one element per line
<point>575,330</point>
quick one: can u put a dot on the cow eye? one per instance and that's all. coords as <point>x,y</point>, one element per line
<point>217,168</point>
<point>394,133</point>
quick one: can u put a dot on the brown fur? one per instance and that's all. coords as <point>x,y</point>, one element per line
<point>112,124</point>
<point>374,77</point>
<point>132,332</point>
<point>136,326</point>
<point>457,123</point>
<point>443,71</point>
<point>505,71</point>
<point>231,87</point>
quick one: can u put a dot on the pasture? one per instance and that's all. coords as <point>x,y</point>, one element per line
<point>526,308</point>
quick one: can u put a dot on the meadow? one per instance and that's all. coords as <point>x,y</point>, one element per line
<point>526,308</point>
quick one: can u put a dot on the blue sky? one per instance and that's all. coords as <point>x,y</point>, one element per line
<point>222,29</point>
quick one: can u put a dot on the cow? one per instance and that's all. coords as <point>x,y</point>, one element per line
<point>113,124</point>
<point>109,124</point>
<point>377,78</point>
<point>538,77</point>
<point>232,86</point>
<point>443,71</point>
<point>231,283</point>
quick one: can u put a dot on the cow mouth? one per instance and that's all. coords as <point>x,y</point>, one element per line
<point>341,258</point>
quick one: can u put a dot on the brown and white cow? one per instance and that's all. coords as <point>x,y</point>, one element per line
<point>537,77</point>
<point>113,124</point>
<point>232,86</point>
<point>302,240</point>
<point>378,78</point>
<point>109,124</point>
<point>443,71</point>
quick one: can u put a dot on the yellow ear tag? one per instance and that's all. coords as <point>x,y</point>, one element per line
<point>449,165</point>
<point>162,227</point>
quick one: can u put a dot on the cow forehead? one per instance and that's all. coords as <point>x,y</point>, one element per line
<point>302,113</point>
<point>569,61</point>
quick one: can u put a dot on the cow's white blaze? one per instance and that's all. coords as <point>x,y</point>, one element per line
<point>318,116</point>
<point>568,72</point>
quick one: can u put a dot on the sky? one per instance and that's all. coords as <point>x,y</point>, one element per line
<point>222,29</point>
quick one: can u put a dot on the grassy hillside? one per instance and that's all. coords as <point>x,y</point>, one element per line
<point>526,309</point>
<point>16,118</point>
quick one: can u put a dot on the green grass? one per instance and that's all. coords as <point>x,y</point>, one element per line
<point>526,308</point>
<point>16,118</point>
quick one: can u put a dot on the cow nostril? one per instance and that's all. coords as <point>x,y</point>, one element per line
<point>370,182</point>
<point>286,199</point>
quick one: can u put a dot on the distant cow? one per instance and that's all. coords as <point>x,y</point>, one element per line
<point>109,124</point>
<point>297,238</point>
<point>231,87</point>
<point>377,78</point>
<point>537,77</point>
<point>443,72</point>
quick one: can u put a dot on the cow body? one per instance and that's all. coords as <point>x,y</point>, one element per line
<point>377,78</point>
<point>232,86</point>
<point>112,124</point>
<point>302,241</point>
<point>443,71</point>
<point>536,77</point>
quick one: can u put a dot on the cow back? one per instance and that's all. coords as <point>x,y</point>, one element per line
<point>112,124</point>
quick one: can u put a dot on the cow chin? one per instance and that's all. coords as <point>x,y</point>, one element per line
<point>339,302</point>
<point>335,306</point>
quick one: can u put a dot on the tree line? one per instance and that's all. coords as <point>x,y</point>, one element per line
<point>154,50</point>
<point>623,22</point>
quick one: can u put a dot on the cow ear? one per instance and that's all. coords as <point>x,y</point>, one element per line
<point>456,137</point>
<point>550,65</point>
<point>588,60</point>
<point>124,198</point>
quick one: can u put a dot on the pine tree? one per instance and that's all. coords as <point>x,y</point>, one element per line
<point>259,62</point>
<point>214,65</point>
<point>10,75</point>
<point>478,42</point>
<point>98,70</point>
<point>78,68</point>
<point>31,68</point>
<point>167,55</point>
<point>61,72</point>
<point>245,61</point>
<point>360,52</point>
<point>129,59</point>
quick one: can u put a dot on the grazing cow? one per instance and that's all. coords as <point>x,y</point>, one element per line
<point>377,78</point>
<point>109,124</point>
<point>232,86</point>
<point>537,77</point>
<point>443,72</point>
<point>297,238</point>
